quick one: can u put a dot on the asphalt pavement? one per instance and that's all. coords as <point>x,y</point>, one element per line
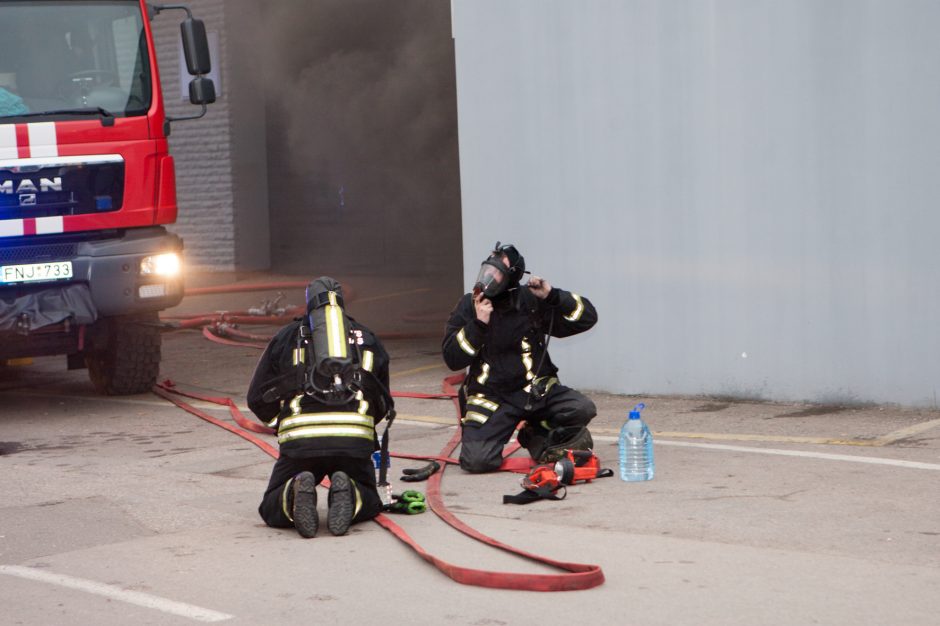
<point>131,510</point>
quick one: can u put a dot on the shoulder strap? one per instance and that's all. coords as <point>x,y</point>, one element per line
<point>532,495</point>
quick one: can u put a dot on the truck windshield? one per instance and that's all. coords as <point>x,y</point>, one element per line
<point>61,56</point>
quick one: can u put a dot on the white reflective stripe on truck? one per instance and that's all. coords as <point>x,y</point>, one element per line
<point>32,226</point>
<point>11,228</point>
<point>47,225</point>
<point>61,161</point>
<point>8,148</point>
<point>43,141</point>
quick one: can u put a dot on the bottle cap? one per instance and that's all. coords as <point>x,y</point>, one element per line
<point>635,413</point>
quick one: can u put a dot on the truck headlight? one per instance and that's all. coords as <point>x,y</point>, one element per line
<point>166,265</point>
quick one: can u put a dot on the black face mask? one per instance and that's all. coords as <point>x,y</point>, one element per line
<point>500,272</point>
<point>493,278</point>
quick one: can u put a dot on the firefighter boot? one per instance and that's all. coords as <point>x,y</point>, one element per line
<point>342,503</point>
<point>534,438</point>
<point>565,438</point>
<point>548,446</point>
<point>304,505</point>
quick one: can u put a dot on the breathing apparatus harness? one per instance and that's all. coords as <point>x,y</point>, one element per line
<point>329,351</point>
<point>328,360</point>
<point>537,391</point>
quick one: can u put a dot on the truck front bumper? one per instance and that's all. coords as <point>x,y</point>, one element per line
<point>112,271</point>
<point>106,280</point>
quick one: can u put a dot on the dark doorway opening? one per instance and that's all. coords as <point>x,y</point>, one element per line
<point>362,139</point>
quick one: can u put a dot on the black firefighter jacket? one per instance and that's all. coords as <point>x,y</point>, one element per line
<point>307,427</point>
<point>503,356</point>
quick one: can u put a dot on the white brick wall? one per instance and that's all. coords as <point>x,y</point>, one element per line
<point>201,148</point>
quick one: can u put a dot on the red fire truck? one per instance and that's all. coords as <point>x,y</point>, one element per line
<point>87,184</point>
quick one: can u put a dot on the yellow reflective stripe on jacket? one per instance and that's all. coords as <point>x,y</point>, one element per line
<point>326,431</point>
<point>358,498</point>
<point>527,359</point>
<point>464,344</point>
<point>363,403</point>
<point>312,425</point>
<point>299,356</point>
<point>481,401</point>
<point>284,492</point>
<point>484,374</point>
<point>313,419</point>
<point>575,315</point>
<point>473,416</point>
<point>368,360</point>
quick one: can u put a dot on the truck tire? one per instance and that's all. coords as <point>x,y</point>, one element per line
<point>125,358</point>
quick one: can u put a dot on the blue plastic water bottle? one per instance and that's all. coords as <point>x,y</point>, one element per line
<point>636,448</point>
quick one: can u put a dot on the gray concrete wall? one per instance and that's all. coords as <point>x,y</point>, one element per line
<point>746,189</point>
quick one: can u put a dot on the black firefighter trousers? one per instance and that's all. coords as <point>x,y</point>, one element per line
<point>481,447</point>
<point>274,504</point>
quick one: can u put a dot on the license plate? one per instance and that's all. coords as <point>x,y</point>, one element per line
<point>59,270</point>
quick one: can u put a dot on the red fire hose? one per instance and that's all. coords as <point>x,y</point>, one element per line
<point>575,576</point>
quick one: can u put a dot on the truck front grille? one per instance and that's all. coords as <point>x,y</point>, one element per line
<point>32,254</point>
<point>58,186</point>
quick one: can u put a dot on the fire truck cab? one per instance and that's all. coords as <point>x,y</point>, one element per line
<point>87,185</point>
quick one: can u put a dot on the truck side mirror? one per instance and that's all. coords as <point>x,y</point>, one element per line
<point>198,63</point>
<point>201,90</point>
<point>195,47</point>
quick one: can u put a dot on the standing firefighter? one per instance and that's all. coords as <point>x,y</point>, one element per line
<point>322,383</point>
<point>501,331</point>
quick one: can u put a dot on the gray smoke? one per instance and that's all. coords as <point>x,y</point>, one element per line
<point>362,95</point>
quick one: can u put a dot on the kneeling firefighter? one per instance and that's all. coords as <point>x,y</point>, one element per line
<point>500,332</point>
<point>322,382</point>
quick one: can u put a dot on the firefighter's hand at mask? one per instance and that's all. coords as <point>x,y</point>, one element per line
<point>539,286</point>
<point>483,307</point>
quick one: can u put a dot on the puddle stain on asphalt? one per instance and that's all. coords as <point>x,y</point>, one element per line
<point>10,447</point>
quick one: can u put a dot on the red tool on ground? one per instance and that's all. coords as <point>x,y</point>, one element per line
<point>545,481</point>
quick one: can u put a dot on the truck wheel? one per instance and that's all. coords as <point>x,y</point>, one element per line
<point>125,358</point>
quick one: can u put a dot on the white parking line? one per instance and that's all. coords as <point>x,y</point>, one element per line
<point>427,420</point>
<point>115,593</point>
<point>814,455</point>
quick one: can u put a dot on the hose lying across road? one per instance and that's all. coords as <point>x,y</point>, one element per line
<point>221,326</point>
<point>574,576</point>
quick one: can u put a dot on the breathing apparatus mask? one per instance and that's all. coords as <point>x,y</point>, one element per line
<point>500,272</point>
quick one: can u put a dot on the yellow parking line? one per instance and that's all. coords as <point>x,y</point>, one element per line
<point>756,438</point>
<point>416,370</point>
<point>910,431</point>
<point>428,419</point>
<point>828,441</point>
<point>392,295</point>
<point>681,435</point>
<point>610,432</point>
